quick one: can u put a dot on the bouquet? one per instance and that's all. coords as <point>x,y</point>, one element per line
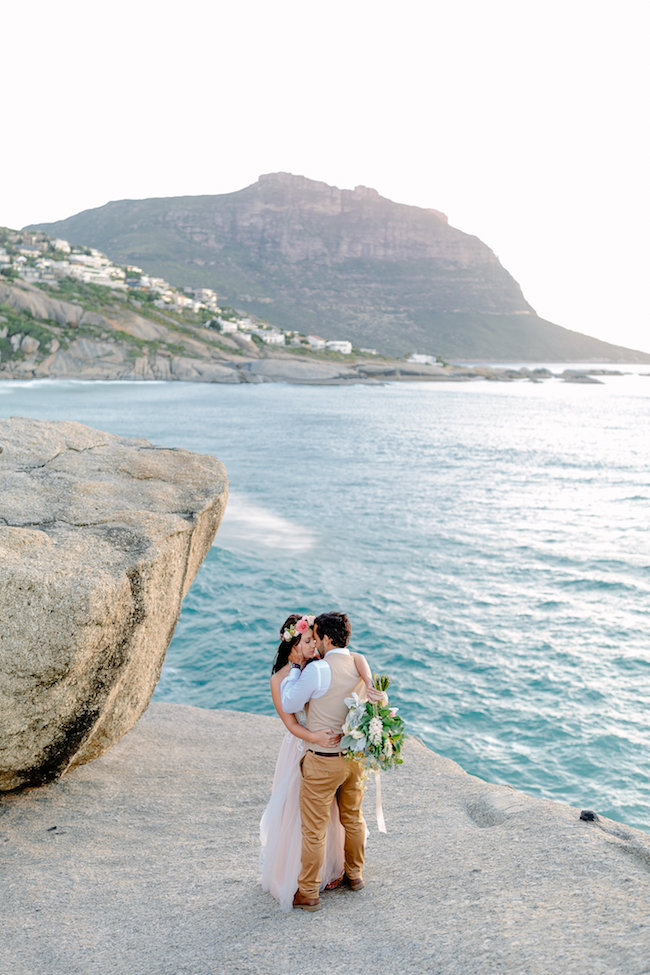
<point>372,733</point>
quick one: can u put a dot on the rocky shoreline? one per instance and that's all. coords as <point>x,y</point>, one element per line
<point>146,861</point>
<point>51,338</point>
<point>87,360</point>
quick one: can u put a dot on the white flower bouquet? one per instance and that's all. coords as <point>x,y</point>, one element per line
<point>373,733</point>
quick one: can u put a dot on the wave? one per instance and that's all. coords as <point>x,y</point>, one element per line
<point>593,585</point>
<point>68,381</point>
<point>248,526</point>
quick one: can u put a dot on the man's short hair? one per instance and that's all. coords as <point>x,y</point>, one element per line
<point>334,625</point>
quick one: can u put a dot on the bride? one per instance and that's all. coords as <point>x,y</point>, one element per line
<point>280,828</point>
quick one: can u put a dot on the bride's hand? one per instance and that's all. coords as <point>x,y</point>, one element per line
<point>326,738</point>
<point>375,696</point>
<point>296,657</point>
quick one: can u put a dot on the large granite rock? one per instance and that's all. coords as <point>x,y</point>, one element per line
<point>100,538</point>
<point>38,305</point>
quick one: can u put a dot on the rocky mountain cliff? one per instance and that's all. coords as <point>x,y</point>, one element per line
<point>339,263</point>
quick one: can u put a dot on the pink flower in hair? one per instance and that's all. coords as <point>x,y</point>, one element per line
<point>302,625</point>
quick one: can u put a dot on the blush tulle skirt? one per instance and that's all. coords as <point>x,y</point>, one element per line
<point>280,832</point>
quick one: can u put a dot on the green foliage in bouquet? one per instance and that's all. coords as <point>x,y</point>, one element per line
<point>373,734</point>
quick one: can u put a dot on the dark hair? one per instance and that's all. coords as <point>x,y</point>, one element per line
<point>286,646</point>
<point>334,625</point>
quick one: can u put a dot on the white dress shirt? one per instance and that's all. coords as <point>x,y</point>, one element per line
<point>299,686</point>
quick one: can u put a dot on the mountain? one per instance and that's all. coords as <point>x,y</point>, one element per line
<point>339,263</point>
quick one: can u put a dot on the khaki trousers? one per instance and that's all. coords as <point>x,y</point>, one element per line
<point>325,778</point>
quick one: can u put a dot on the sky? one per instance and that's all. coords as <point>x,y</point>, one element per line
<point>525,122</point>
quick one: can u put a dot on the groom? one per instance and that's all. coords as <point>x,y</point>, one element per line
<point>326,774</point>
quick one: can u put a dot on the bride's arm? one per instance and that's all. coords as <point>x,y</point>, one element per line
<point>326,739</point>
<point>363,668</point>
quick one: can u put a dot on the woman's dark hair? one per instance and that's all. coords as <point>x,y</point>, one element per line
<point>334,625</point>
<point>286,646</point>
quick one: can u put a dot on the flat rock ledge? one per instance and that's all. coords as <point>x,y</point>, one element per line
<point>100,538</point>
<point>145,862</point>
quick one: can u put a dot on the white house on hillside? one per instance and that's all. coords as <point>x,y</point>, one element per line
<point>270,337</point>
<point>226,327</point>
<point>337,345</point>
<point>422,360</point>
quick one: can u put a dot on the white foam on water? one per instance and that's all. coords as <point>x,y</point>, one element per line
<point>12,384</point>
<point>247,526</point>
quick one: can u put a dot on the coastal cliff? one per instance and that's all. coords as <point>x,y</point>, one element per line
<point>146,861</point>
<point>339,263</point>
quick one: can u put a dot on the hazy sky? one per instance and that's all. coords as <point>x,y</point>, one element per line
<point>525,122</point>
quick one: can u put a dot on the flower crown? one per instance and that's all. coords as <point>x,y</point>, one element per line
<point>299,627</point>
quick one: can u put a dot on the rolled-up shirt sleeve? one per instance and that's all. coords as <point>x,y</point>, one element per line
<point>298,687</point>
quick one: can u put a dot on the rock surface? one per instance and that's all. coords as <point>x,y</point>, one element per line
<point>146,862</point>
<point>41,306</point>
<point>100,538</point>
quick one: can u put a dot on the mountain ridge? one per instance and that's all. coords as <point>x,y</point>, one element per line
<point>341,263</point>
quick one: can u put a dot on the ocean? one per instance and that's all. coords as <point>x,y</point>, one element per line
<point>490,542</point>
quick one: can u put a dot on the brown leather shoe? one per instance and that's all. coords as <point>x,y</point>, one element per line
<point>333,884</point>
<point>306,903</point>
<point>355,883</point>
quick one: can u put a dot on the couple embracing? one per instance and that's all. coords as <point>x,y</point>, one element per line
<point>312,831</point>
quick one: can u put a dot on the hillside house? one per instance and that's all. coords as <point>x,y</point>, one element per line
<point>339,345</point>
<point>270,337</point>
<point>421,359</point>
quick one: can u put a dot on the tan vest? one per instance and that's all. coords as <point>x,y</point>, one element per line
<point>330,710</point>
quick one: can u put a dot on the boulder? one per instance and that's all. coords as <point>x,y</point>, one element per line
<point>100,538</point>
<point>26,298</point>
<point>578,376</point>
<point>186,369</point>
<point>294,370</point>
<point>29,345</point>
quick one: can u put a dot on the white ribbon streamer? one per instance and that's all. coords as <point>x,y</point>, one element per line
<point>381,822</point>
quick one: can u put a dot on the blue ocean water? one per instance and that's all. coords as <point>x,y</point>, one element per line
<point>490,542</point>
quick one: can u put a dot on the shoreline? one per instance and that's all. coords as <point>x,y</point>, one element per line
<point>298,372</point>
<point>146,860</point>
